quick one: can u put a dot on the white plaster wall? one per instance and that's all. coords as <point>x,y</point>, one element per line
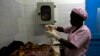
<point>17,20</point>
<point>69,1</point>
<point>62,17</point>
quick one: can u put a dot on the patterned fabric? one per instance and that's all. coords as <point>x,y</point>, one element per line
<point>34,50</point>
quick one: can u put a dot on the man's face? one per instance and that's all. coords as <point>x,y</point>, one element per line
<point>76,20</point>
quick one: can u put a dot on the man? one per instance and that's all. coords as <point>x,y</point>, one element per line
<point>78,34</point>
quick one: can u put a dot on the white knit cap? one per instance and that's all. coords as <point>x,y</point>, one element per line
<point>81,12</point>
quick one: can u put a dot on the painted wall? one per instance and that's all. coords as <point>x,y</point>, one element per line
<point>17,20</point>
<point>93,17</point>
<point>93,9</point>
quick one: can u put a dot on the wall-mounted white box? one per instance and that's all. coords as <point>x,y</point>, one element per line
<point>45,13</point>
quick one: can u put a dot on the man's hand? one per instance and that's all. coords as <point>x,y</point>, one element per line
<point>50,27</point>
<point>52,34</point>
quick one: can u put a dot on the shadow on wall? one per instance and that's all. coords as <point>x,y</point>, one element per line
<point>38,29</point>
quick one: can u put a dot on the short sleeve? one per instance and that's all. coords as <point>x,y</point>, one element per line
<point>80,38</point>
<point>67,30</point>
<point>60,29</point>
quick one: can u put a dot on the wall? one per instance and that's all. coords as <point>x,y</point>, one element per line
<point>62,17</point>
<point>93,9</point>
<point>69,1</point>
<point>17,20</point>
<point>93,24</point>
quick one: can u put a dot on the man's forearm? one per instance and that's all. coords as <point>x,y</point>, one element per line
<point>67,44</point>
<point>60,29</point>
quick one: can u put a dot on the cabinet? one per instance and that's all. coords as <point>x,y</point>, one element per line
<point>45,13</point>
